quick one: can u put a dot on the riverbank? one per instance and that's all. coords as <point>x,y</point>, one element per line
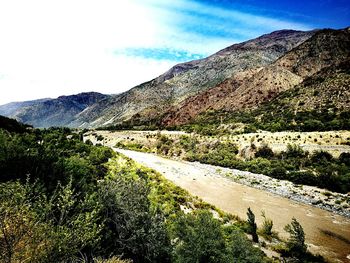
<point>335,202</point>
<point>324,199</point>
<point>327,233</point>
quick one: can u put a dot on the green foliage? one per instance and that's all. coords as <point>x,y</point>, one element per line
<point>241,250</point>
<point>345,158</point>
<point>164,144</point>
<point>53,155</point>
<point>219,153</point>
<point>188,143</point>
<point>252,227</point>
<point>296,242</point>
<point>38,229</point>
<point>264,151</point>
<point>199,238</point>
<point>12,125</point>
<point>266,229</point>
<point>131,227</point>
<point>294,151</point>
<point>321,157</point>
<point>132,146</point>
<point>62,200</point>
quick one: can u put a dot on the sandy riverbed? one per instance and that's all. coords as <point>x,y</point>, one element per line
<point>212,185</point>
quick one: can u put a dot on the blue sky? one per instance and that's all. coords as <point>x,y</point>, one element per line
<point>50,48</point>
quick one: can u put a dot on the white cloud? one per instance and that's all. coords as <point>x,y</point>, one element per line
<point>54,47</point>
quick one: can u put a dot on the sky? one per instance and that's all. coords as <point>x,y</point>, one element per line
<point>50,48</point>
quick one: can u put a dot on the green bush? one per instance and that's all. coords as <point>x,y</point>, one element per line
<point>264,151</point>
<point>296,242</point>
<point>199,238</point>
<point>266,229</point>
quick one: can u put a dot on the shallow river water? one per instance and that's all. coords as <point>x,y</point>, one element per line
<point>327,234</point>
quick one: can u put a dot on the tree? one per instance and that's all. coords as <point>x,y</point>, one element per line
<point>296,241</point>
<point>199,239</point>
<point>252,227</point>
<point>267,225</point>
<point>240,249</point>
<point>131,227</point>
<point>264,151</point>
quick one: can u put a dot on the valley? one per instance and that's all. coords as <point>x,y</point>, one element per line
<point>194,165</point>
<point>211,185</point>
<point>234,191</point>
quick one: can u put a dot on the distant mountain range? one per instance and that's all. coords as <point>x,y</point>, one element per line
<point>51,112</point>
<point>241,77</point>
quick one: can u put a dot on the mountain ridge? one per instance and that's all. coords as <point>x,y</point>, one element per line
<point>184,80</point>
<point>239,77</point>
<point>51,112</point>
<point>265,84</point>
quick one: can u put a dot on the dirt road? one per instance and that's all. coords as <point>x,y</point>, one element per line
<point>215,188</point>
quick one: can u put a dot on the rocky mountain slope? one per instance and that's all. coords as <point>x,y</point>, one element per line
<point>320,102</point>
<point>326,48</point>
<point>51,112</point>
<point>10,109</point>
<point>148,100</point>
<point>238,78</point>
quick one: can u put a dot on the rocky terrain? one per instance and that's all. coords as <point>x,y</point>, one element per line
<point>248,90</point>
<point>145,102</point>
<point>331,142</point>
<point>51,112</point>
<point>241,77</point>
<point>234,191</point>
<point>11,108</point>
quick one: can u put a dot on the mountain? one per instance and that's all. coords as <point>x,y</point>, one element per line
<point>51,112</point>
<point>151,99</point>
<point>10,109</point>
<point>320,102</point>
<point>326,48</point>
<point>240,78</point>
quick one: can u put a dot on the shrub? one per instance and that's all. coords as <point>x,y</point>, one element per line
<point>278,172</point>
<point>266,229</point>
<point>321,157</point>
<point>241,250</point>
<point>198,238</point>
<point>264,151</point>
<point>345,158</point>
<point>296,242</point>
<point>131,228</point>
<point>295,151</point>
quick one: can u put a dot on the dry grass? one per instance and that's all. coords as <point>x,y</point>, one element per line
<point>334,142</point>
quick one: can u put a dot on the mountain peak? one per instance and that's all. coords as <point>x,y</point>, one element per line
<point>241,76</point>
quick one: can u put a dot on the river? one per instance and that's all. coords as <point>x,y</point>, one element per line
<point>327,234</point>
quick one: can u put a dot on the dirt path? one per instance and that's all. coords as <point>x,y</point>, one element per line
<point>210,185</point>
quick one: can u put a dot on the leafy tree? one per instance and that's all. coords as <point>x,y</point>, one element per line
<point>22,236</point>
<point>240,249</point>
<point>294,151</point>
<point>131,228</point>
<point>321,157</point>
<point>252,227</point>
<point>345,158</point>
<point>296,242</point>
<point>266,229</point>
<point>198,238</point>
<point>264,151</point>
<point>38,229</point>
